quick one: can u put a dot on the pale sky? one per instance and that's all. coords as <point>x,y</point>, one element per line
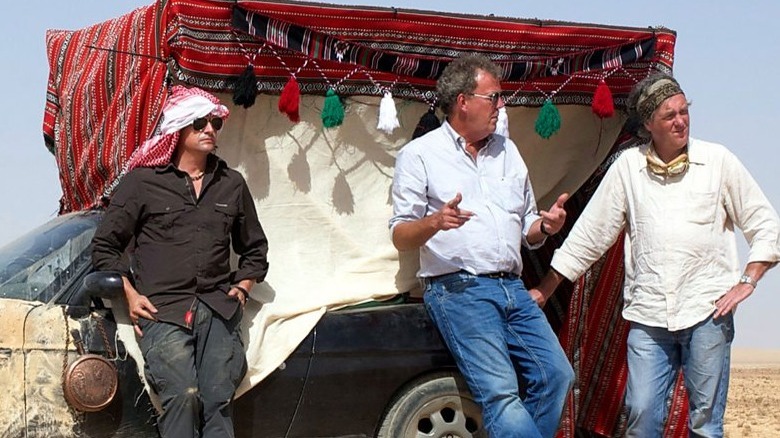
<point>726,61</point>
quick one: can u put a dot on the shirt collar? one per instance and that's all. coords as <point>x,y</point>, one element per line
<point>212,164</point>
<point>458,140</point>
<point>695,155</point>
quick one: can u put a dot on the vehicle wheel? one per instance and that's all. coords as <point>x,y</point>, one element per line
<point>438,405</point>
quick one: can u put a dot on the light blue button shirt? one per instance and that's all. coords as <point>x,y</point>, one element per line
<point>432,169</point>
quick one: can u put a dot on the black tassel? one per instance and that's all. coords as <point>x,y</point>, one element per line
<point>245,88</point>
<point>428,122</point>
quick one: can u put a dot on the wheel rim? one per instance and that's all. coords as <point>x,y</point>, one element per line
<point>446,417</point>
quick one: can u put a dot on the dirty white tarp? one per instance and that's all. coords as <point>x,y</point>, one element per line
<point>33,338</point>
<point>323,197</point>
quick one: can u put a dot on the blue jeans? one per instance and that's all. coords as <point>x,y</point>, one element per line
<point>656,355</point>
<point>505,349</point>
<point>195,373</point>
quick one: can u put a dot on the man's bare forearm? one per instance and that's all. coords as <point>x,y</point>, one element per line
<point>412,235</point>
<point>550,282</point>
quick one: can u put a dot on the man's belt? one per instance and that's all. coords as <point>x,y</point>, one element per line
<point>493,275</point>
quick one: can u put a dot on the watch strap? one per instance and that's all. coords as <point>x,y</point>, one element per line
<point>746,279</point>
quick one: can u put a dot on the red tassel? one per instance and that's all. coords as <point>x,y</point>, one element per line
<point>603,106</point>
<point>290,99</point>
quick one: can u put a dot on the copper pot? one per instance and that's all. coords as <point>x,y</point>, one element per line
<point>90,382</point>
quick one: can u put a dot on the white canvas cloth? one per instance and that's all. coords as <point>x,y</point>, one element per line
<point>323,197</point>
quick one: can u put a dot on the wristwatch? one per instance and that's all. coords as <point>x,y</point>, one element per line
<point>748,280</point>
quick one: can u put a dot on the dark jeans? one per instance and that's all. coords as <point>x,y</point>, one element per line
<point>195,373</point>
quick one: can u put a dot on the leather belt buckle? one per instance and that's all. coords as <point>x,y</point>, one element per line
<point>499,275</point>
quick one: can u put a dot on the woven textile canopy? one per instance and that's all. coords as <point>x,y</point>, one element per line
<point>108,81</point>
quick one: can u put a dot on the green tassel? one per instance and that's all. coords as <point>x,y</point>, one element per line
<point>549,120</point>
<point>332,110</point>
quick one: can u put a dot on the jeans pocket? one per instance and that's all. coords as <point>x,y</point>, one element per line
<point>726,324</point>
<point>456,284</point>
<point>238,364</point>
<point>143,323</point>
<point>155,367</point>
<point>155,382</point>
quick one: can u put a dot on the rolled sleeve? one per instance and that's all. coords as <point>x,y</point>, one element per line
<point>530,215</point>
<point>751,212</point>
<point>410,200</point>
<point>596,229</point>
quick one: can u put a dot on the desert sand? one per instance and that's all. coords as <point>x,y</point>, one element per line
<point>754,394</point>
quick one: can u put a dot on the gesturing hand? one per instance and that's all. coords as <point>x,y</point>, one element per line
<point>554,219</point>
<point>451,216</point>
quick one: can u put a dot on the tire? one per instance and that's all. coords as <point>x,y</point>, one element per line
<point>437,405</point>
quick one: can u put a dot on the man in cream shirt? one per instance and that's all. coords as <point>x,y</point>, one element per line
<point>678,200</point>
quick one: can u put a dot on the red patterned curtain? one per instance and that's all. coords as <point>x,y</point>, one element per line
<point>104,97</point>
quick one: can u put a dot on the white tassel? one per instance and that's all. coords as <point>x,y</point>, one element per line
<point>388,115</point>
<point>502,125</point>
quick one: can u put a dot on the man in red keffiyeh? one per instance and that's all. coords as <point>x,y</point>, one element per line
<point>182,208</point>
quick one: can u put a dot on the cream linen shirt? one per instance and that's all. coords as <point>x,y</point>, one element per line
<point>680,248</point>
<point>432,169</point>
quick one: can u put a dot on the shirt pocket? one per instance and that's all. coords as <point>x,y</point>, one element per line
<point>507,193</point>
<point>702,207</point>
<point>163,220</point>
<point>222,219</point>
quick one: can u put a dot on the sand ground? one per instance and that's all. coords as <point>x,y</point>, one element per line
<point>754,394</point>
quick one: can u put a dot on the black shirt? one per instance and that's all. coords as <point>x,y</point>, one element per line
<point>182,242</point>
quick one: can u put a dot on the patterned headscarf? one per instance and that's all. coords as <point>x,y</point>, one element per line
<point>654,94</point>
<point>182,107</point>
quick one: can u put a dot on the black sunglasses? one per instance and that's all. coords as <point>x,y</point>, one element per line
<point>199,124</point>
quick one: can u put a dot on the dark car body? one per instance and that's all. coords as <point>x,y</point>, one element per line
<point>353,372</point>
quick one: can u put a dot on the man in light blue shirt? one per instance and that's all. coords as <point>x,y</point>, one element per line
<point>461,195</point>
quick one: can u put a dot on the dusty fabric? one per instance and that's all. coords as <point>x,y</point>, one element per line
<point>33,402</point>
<point>181,249</point>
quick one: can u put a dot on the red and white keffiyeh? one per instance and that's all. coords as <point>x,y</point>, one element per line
<point>182,107</point>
